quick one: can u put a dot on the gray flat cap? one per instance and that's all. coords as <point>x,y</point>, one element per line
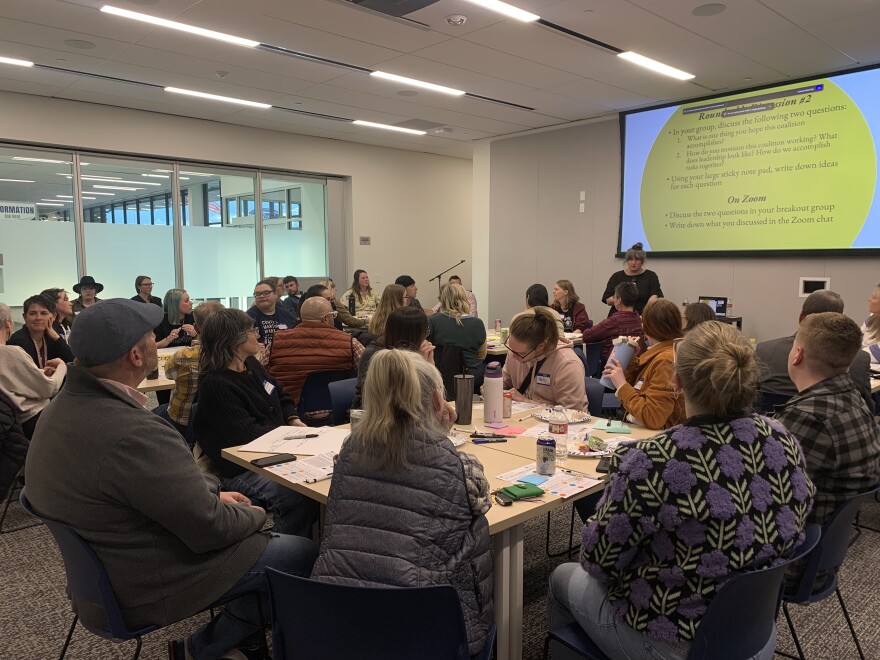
<point>109,329</point>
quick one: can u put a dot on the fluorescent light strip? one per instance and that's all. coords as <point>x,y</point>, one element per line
<point>95,177</point>
<point>418,83</point>
<point>215,97</point>
<point>18,180</point>
<point>157,176</point>
<point>14,62</point>
<point>53,202</point>
<point>184,172</point>
<point>183,27</point>
<point>95,192</point>
<point>48,204</point>
<point>388,127</point>
<point>114,180</point>
<point>40,160</point>
<point>115,188</point>
<point>65,196</point>
<point>654,65</point>
<point>506,9</point>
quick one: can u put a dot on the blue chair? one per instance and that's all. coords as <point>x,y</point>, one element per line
<point>313,620</point>
<point>738,623</point>
<point>89,585</point>
<point>594,357</point>
<point>819,577</point>
<point>341,396</point>
<point>315,393</point>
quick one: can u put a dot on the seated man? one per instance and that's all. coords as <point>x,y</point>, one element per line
<point>267,314</point>
<point>170,541</point>
<point>312,346</point>
<point>291,302</point>
<point>837,432</point>
<point>409,298</point>
<point>773,354</point>
<point>626,321</point>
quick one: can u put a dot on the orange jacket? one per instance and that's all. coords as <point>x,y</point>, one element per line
<point>649,394</point>
<point>305,349</point>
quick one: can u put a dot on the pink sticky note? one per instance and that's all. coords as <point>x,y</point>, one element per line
<point>497,425</point>
<point>515,430</point>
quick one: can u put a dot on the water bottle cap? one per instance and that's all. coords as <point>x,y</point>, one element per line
<point>493,370</point>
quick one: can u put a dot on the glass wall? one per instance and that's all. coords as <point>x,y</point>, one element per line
<point>294,226</point>
<point>37,233</point>
<point>129,227</point>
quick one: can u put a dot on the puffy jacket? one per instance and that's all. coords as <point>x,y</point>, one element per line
<point>409,528</point>
<point>305,349</point>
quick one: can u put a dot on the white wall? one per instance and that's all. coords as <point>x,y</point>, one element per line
<point>538,235</point>
<point>415,207</point>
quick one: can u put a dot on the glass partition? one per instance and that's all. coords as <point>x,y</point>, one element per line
<point>129,227</point>
<point>294,226</point>
<point>219,241</point>
<point>37,232</point>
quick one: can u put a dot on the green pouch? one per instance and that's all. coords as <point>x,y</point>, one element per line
<point>522,491</point>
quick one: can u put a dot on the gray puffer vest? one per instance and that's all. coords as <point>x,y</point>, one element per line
<point>409,528</point>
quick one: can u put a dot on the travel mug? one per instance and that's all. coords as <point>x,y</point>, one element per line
<point>464,398</point>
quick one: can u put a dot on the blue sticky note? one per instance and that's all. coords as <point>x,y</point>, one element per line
<point>534,479</point>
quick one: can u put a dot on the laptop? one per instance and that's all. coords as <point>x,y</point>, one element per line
<point>717,303</point>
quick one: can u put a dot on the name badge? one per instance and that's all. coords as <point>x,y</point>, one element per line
<point>542,379</point>
<point>638,385</point>
<point>282,326</point>
<point>269,387</point>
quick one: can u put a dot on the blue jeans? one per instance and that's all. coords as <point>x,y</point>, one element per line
<point>240,619</point>
<point>293,513</point>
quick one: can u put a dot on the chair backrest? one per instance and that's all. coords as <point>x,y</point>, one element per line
<point>13,445</point>
<point>742,615</point>
<point>593,352</point>
<point>316,393</point>
<point>88,585</point>
<point>767,401</point>
<point>595,396</point>
<point>450,363</point>
<point>830,553</point>
<point>312,620</point>
<point>341,396</point>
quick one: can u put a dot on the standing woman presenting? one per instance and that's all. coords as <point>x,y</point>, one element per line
<point>634,271</point>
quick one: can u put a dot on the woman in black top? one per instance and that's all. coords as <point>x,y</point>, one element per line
<point>178,327</point>
<point>634,271</point>
<point>238,402</point>
<point>38,338</point>
<point>63,311</point>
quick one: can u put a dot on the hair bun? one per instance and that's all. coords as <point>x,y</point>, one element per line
<point>637,246</point>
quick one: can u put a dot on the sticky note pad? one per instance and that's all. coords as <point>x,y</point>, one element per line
<point>497,425</point>
<point>535,479</point>
<point>617,427</point>
<point>515,430</point>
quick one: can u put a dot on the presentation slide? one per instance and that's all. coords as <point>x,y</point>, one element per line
<point>790,168</point>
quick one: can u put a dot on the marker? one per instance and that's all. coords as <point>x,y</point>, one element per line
<point>301,437</point>
<point>323,478</point>
<point>483,441</point>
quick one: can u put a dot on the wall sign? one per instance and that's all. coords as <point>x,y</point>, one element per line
<point>17,211</point>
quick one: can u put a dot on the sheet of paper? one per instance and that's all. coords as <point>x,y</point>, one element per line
<point>314,468</point>
<point>515,475</point>
<point>564,484</point>
<point>537,429</point>
<point>292,440</point>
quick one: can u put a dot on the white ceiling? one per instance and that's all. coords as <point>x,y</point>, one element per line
<point>752,42</point>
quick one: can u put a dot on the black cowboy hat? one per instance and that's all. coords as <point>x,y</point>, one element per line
<point>88,280</point>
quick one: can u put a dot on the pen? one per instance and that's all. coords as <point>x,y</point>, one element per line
<point>483,441</point>
<point>522,419</point>
<point>300,437</point>
<point>316,480</point>
<point>479,434</point>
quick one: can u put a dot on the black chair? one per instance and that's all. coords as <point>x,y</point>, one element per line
<point>314,620</point>
<point>767,401</point>
<point>738,622</point>
<point>315,393</point>
<point>594,358</point>
<point>449,362</point>
<point>14,444</point>
<point>88,585</point>
<point>341,396</point>
<point>819,580</point>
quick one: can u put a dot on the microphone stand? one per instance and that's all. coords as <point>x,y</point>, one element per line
<point>439,275</point>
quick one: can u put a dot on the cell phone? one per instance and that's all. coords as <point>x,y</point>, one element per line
<point>273,460</point>
<point>503,498</point>
<point>604,464</point>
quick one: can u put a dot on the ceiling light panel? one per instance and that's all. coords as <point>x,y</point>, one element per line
<point>654,65</point>
<point>216,97</point>
<point>418,83</point>
<point>183,27</point>
<point>15,62</point>
<point>387,127</point>
<point>507,10</point>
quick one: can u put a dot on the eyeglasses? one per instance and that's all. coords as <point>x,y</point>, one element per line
<point>262,294</point>
<point>146,284</point>
<point>332,314</point>
<point>521,356</point>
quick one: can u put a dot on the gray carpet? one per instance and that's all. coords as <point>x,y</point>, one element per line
<point>35,614</point>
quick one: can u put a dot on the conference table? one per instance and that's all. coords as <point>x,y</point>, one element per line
<point>505,523</point>
<point>494,345</point>
<point>162,382</point>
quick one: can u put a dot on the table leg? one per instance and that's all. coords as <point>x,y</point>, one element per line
<point>508,557</point>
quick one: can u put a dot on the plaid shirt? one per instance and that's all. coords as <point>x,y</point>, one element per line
<point>840,440</point>
<point>183,369</point>
<point>476,483</point>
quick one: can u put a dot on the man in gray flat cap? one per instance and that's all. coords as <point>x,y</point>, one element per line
<point>170,541</point>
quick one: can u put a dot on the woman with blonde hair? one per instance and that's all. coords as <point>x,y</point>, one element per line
<point>392,298</point>
<point>687,509</point>
<point>570,308</point>
<point>647,388</point>
<point>401,457</point>
<point>454,326</point>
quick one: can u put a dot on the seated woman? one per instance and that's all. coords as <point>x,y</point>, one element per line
<point>454,326</point>
<point>871,327</point>
<point>63,311</point>
<point>647,389</point>
<point>360,300</point>
<point>570,308</point>
<point>541,365</point>
<point>392,298</point>
<point>406,329</point>
<point>177,328</point>
<point>663,539</point>
<point>626,322</point>
<point>537,296</point>
<point>399,459</point>
<point>239,402</point>
<point>694,314</point>
<point>38,337</point>
<point>342,315</point>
